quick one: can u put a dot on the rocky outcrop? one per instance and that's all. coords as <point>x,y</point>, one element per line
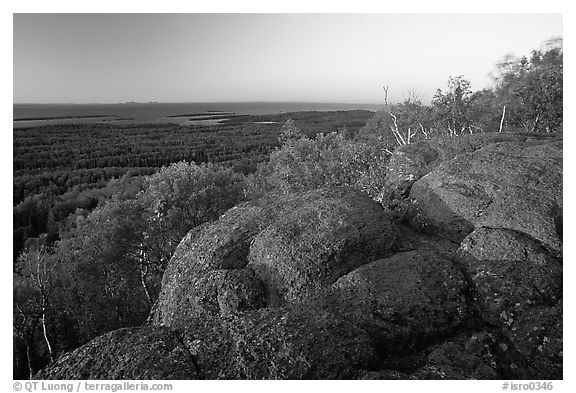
<point>501,203</point>
<point>413,161</point>
<point>273,251</point>
<point>464,357</point>
<point>304,251</point>
<point>405,302</point>
<point>279,344</point>
<point>511,273</point>
<point>264,344</point>
<point>518,285</point>
<point>457,276</point>
<point>505,185</point>
<point>208,265</point>
<point>131,353</point>
<point>536,343</point>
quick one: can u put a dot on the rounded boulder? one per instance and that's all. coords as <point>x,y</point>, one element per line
<point>332,232</point>
<point>405,302</point>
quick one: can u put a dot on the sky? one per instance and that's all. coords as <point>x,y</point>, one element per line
<point>107,58</point>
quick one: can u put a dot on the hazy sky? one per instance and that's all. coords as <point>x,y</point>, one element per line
<point>261,57</point>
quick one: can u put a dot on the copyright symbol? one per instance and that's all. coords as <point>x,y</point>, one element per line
<point>17,386</point>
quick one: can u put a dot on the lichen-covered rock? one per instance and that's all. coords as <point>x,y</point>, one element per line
<point>383,375</point>
<point>503,185</point>
<point>225,291</point>
<point>214,292</point>
<point>263,344</point>
<point>404,302</point>
<point>462,358</point>
<point>130,353</point>
<point>199,277</point>
<point>223,244</point>
<point>411,162</point>
<point>279,344</point>
<point>305,250</point>
<point>511,273</point>
<point>296,245</point>
<point>462,280</point>
<point>536,335</point>
<point>239,290</point>
<point>518,285</point>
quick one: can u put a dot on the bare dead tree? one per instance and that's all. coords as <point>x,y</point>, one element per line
<point>144,269</point>
<point>414,96</point>
<point>385,96</point>
<point>401,140</point>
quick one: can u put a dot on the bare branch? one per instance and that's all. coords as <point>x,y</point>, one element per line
<point>473,127</point>
<point>397,132</point>
<point>535,122</point>
<point>385,96</point>
<point>396,136</point>
<point>423,131</point>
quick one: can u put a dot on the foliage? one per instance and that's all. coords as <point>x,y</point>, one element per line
<point>452,109</point>
<point>400,124</point>
<point>183,196</point>
<point>47,214</point>
<point>52,159</point>
<point>35,315</point>
<point>484,111</point>
<point>101,259</point>
<point>61,168</point>
<point>532,90</point>
<point>111,259</point>
<point>327,160</point>
<point>122,247</point>
<point>289,132</point>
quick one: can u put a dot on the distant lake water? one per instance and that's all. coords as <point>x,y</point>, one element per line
<point>27,115</point>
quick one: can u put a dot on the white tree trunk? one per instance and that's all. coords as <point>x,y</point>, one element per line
<point>502,120</point>
<point>145,286</point>
<point>29,360</point>
<point>45,334</point>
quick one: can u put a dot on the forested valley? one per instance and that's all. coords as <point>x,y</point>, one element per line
<point>98,210</point>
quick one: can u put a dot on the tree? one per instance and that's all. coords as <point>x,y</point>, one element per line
<point>485,110</point>
<point>180,197</point>
<point>399,124</point>
<point>35,274</point>
<point>111,260</point>
<point>289,132</point>
<point>452,108</point>
<point>101,269</point>
<point>532,89</point>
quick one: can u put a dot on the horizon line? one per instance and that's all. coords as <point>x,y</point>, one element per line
<point>196,102</point>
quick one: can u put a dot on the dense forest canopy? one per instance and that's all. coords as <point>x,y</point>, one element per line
<point>99,210</point>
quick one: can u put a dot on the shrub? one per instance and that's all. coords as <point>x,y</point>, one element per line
<point>327,160</point>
